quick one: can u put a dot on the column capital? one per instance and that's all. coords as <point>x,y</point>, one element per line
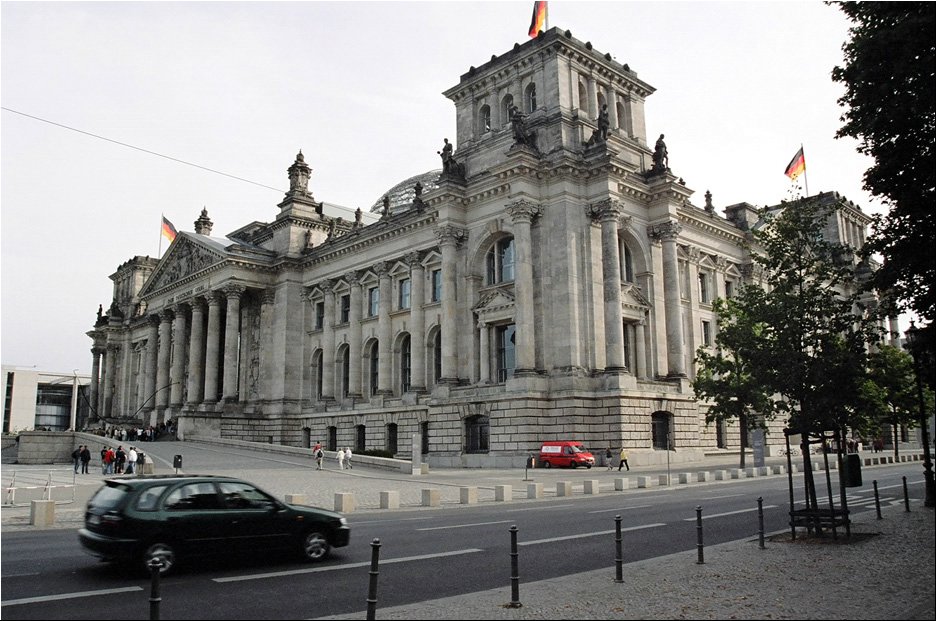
<point>449,235</point>
<point>413,259</point>
<point>166,315</point>
<point>327,286</point>
<point>382,269</point>
<point>354,277</point>
<point>664,231</point>
<point>213,298</point>
<point>97,351</point>
<point>197,304</point>
<point>153,320</point>
<point>267,297</point>
<point>721,264</point>
<point>694,254</point>
<point>179,309</point>
<point>233,292</point>
<point>523,210</point>
<point>607,210</point>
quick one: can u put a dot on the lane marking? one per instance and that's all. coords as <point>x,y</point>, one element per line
<point>621,509</point>
<point>584,535</point>
<point>52,598</point>
<point>550,508</point>
<point>715,515</point>
<point>726,496</point>
<point>417,519</point>
<point>315,570</point>
<point>464,525</point>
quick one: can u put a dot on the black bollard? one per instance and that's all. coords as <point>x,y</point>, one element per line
<point>906,495</point>
<point>154,565</point>
<point>698,510</point>
<point>372,586</point>
<point>618,552</point>
<point>760,521</point>
<point>514,570</point>
<point>877,501</point>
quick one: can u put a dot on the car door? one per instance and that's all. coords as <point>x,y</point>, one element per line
<point>196,518</point>
<point>255,521</point>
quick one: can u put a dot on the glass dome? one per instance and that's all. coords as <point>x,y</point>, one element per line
<point>402,194</point>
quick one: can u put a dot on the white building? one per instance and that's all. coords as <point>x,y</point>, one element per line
<point>46,400</point>
<point>553,282</point>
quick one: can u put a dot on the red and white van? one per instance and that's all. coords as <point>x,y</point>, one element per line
<point>565,454</point>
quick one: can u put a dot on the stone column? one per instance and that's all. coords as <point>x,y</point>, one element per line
<point>694,295</point>
<point>384,360</point>
<point>95,381</point>
<point>354,341</point>
<point>150,365</point>
<point>522,213</point>
<point>608,212</point>
<point>418,323</point>
<point>267,300</point>
<point>212,346</point>
<point>640,349</point>
<point>177,370</point>
<point>162,361</point>
<point>450,238</point>
<point>196,366</point>
<point>666,233</point>
<point>484,338</point>
<point>110,363</point>
<point>328,341</point>
<point>893,333</point>
<point>612,108</point>
<point>592,98</point>
<point>231,332</point>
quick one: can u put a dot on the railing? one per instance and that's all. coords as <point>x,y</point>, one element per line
<point>29,483</point>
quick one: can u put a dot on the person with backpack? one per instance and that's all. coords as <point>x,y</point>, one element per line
<point>120,458</point>
<point>319,457</point>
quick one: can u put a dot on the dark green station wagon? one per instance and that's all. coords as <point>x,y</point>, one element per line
<point>173,517</point>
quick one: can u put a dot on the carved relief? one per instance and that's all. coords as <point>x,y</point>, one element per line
<point>185,260</point>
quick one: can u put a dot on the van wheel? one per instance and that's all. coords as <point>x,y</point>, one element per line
<point>588,466</point>
<point>547,465</point>
<point>573,465</point>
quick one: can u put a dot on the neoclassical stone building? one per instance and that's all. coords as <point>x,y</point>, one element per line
<point>553,281</point>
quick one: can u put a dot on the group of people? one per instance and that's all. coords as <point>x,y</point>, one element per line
<point>113,461</point>
<point>140,434</point>
<point>622,456</point>
<point>343,456</point>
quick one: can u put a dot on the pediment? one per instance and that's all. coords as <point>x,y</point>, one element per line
<point>493,301</point>
<point>633,297</point>
<point>184,258</point>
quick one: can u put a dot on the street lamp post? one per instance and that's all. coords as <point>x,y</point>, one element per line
<point>913,338</point>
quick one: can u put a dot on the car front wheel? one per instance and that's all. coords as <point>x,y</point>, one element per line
<point>163,552</point>
<point>314,546</point>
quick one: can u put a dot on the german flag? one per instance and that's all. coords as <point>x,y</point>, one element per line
<point>797,165</point>
<point>539,18</point>
<point>168,231</point>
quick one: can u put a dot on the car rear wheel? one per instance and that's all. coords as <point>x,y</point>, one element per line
<point>162,551</point>
<point>547,464</point>
<point>314,546</point>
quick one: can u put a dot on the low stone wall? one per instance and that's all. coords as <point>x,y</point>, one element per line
<point>55,447</point>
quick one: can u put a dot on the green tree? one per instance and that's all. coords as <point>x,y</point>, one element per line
<point>724,377</point>
<point>890,107</point>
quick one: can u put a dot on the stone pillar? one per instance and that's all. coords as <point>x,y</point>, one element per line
<point>231,332</point>
<point>592,98</point>
<point>384,360</point>
<point>162,361</point>
<point>893,331</point>
<point>522,213</point>
<point>177,370</point>
<point>418,322</point>
<point>612,108</point>
<point>354,342</point>
<point>95,380</point>
<point>150,366</point>
<point>328,341</point>
<point>608,212</point>
<point>110,360</point>
<point>267,300</point>
<point>694,295</point>
<point>640,347</point>
<point>484,337</point>
<point>212,346</point>
<point>666,233</point>
<point>196,366</point>
<point>449,239</point>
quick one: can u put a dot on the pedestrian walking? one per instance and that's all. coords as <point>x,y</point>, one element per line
<point>339,455</point>
<point>319,457</point>
<point>76,457</point>
<point>347,456</point>
<point>85,459</point>
<point>623,460</point>
<point>131,460</point>
<point>609,456</point>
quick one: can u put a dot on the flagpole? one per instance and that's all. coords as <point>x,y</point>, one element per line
<point>159,252</point>
<point>805,174</point>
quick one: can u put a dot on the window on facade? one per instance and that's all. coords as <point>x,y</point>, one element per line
<point>627,270</point>
<point>424,435</point>
<point>622,116</point>
<point>360,437</point>
<point>684,280</point>
<point>627,342</point>
<point>319,315</point>
<point>729,288</point>
<point>373,301</point>
<point>404,301</point>
<point>660,430</point>
<point>531,98</point>
<point>720,435</point>
<point>582,96</point>
<point>331,443</point>
<point>506,102</point>
<point>392,438</point>
<point>437,357</point>
<point>319,368</point>
<point>345,371</point>
<point>704,288</point>
<point>374,365</point>
<point>484,118</point>
<point>345,308</point>
<point>436,278</point>
<point>500,261</point>
<point>477,429</point>
<point>707,333</point>
<point>405,364</point>
<point>506,352</point>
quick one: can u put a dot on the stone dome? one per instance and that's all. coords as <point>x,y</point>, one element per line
<point>402,194</point>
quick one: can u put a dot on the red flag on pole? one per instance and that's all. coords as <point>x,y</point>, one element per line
<point>538,22</point>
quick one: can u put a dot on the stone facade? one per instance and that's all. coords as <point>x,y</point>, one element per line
<point>551,284</point>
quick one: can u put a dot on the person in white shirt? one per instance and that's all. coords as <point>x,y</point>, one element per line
<point>131,461</point>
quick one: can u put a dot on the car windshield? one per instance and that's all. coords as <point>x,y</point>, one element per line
<point>109,496</point>
<point>576,449</point>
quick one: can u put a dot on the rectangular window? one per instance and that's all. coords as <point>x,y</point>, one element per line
<point>684,280</point>
<point>704,288</point>
<point>373,301</point>
<point>404,301</point>
<point>436,285</point>
<point>729,289</point>
<point>345,308</point>
<point>707,333</point>
<point>319,315</point>
<point>506,352</point>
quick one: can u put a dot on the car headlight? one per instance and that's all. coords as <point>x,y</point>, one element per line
<point>343,521</point>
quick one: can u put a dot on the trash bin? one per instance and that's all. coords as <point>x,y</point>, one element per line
<point>177,461</point>
<point>851,473</point>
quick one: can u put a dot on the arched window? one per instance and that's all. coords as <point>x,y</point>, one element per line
<point>318,369</point>
<point>345,370</point>
<point>405,364</point>
<point>392,438</point>
<point>623,118</point>
<point>582,96</point>
<point>627,263</point>
<point>531,97</point>
<point>660,430</point>
<point>500,261</point>
<point>506,102</point>
<point>437,357</point>
<point>601,100</point>
<point>477,430</point>
<point>374,366</point>
<point>484,119</point>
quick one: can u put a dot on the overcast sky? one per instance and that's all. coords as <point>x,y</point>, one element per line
<point>241,87</point>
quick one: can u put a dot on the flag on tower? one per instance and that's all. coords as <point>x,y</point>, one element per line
<point>539,18</point>
<point>168,231</point>
<point>797,165</point>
